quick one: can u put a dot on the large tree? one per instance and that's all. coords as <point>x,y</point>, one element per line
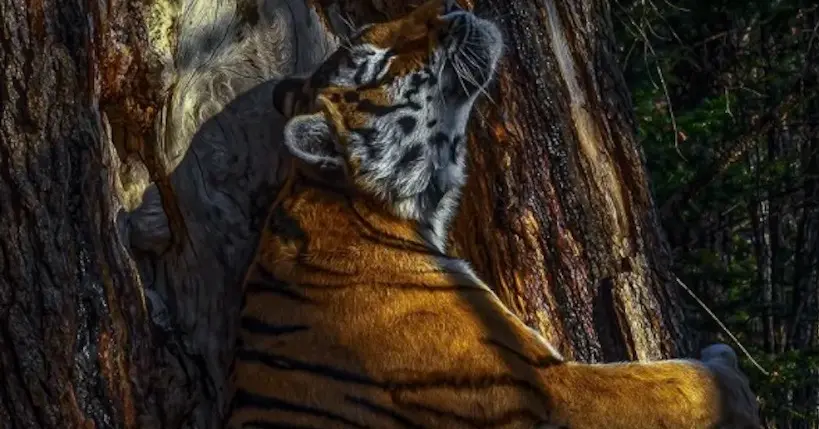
<point>140,150</point>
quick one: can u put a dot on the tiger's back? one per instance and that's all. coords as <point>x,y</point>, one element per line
<point>354,315</point>
<point>386,330</point>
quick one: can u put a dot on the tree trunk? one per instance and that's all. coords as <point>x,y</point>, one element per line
<point>75,348</point>
<point>572,241</point>
<point>139,155</point>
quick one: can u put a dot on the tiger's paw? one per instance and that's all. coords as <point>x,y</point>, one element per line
<point>739,406</point>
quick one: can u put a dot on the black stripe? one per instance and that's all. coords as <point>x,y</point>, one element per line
<point>245,399</point>
<point>439,139</point>
<point>384,81</point>
<point>404,286</point>
<point>397,244</point>
<point>290,364</point>
<point>303,261</point>
<point>432,380</point>
<point>256,326</point>
<point>268,283</point>
<point>382,236</point>
<point>455,148</point>
<point>378,409</point>
<point>259,424</point>
<point>255,287</point>
<point>370,107</point>
<point>410,158</point>
<point>415,84</point>
<point>285,226</point>
<point>382,63</point>
<point>407,124</point>
<point>336,190</point>
<point>367,134</point>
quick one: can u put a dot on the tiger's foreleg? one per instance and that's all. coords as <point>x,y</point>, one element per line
<point>709,393</point>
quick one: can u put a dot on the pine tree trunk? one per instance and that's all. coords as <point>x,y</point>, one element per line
<point>572,242</point>
<point>75,348</point>
<point>138,155</point>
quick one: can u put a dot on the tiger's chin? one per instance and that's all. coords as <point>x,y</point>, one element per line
<point>473,49</point>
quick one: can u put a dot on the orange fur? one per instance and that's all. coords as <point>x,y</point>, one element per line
<point>433,345</point>
<point>352,319</point>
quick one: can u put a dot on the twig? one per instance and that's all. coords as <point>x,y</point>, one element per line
<point>722,326</point>
<point>640,31</point>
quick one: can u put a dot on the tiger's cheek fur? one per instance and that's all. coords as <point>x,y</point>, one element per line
<point>406,145</point>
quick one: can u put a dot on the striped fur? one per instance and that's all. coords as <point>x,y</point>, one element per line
<point>354,316</point>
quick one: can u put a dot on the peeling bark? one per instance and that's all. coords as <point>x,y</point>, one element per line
<point>573,214</point>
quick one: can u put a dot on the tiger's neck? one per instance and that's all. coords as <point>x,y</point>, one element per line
<point>316,230</point>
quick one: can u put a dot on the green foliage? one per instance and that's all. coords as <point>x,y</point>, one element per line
<point>738,77</point>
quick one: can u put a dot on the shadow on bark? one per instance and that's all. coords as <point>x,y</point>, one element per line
<point>223,184</point>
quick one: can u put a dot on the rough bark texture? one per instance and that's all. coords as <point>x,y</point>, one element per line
<point>139,152</point>
<point>570,235</point>
<point>75,348</point>
<point>557,215</point>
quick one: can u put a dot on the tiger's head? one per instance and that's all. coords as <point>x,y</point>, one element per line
<point>386,114</point>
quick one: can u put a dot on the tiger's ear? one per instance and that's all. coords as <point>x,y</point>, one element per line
<point>310,138</point>
<point>288,94</point>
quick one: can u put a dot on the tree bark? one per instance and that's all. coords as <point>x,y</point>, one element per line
<point>139,154</point>
<point>573,242</point>
<point>75,348</point>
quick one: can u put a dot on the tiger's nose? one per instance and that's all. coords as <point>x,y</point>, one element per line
<point>451,6</point>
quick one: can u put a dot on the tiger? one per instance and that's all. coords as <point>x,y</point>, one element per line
<point>354,314</point>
